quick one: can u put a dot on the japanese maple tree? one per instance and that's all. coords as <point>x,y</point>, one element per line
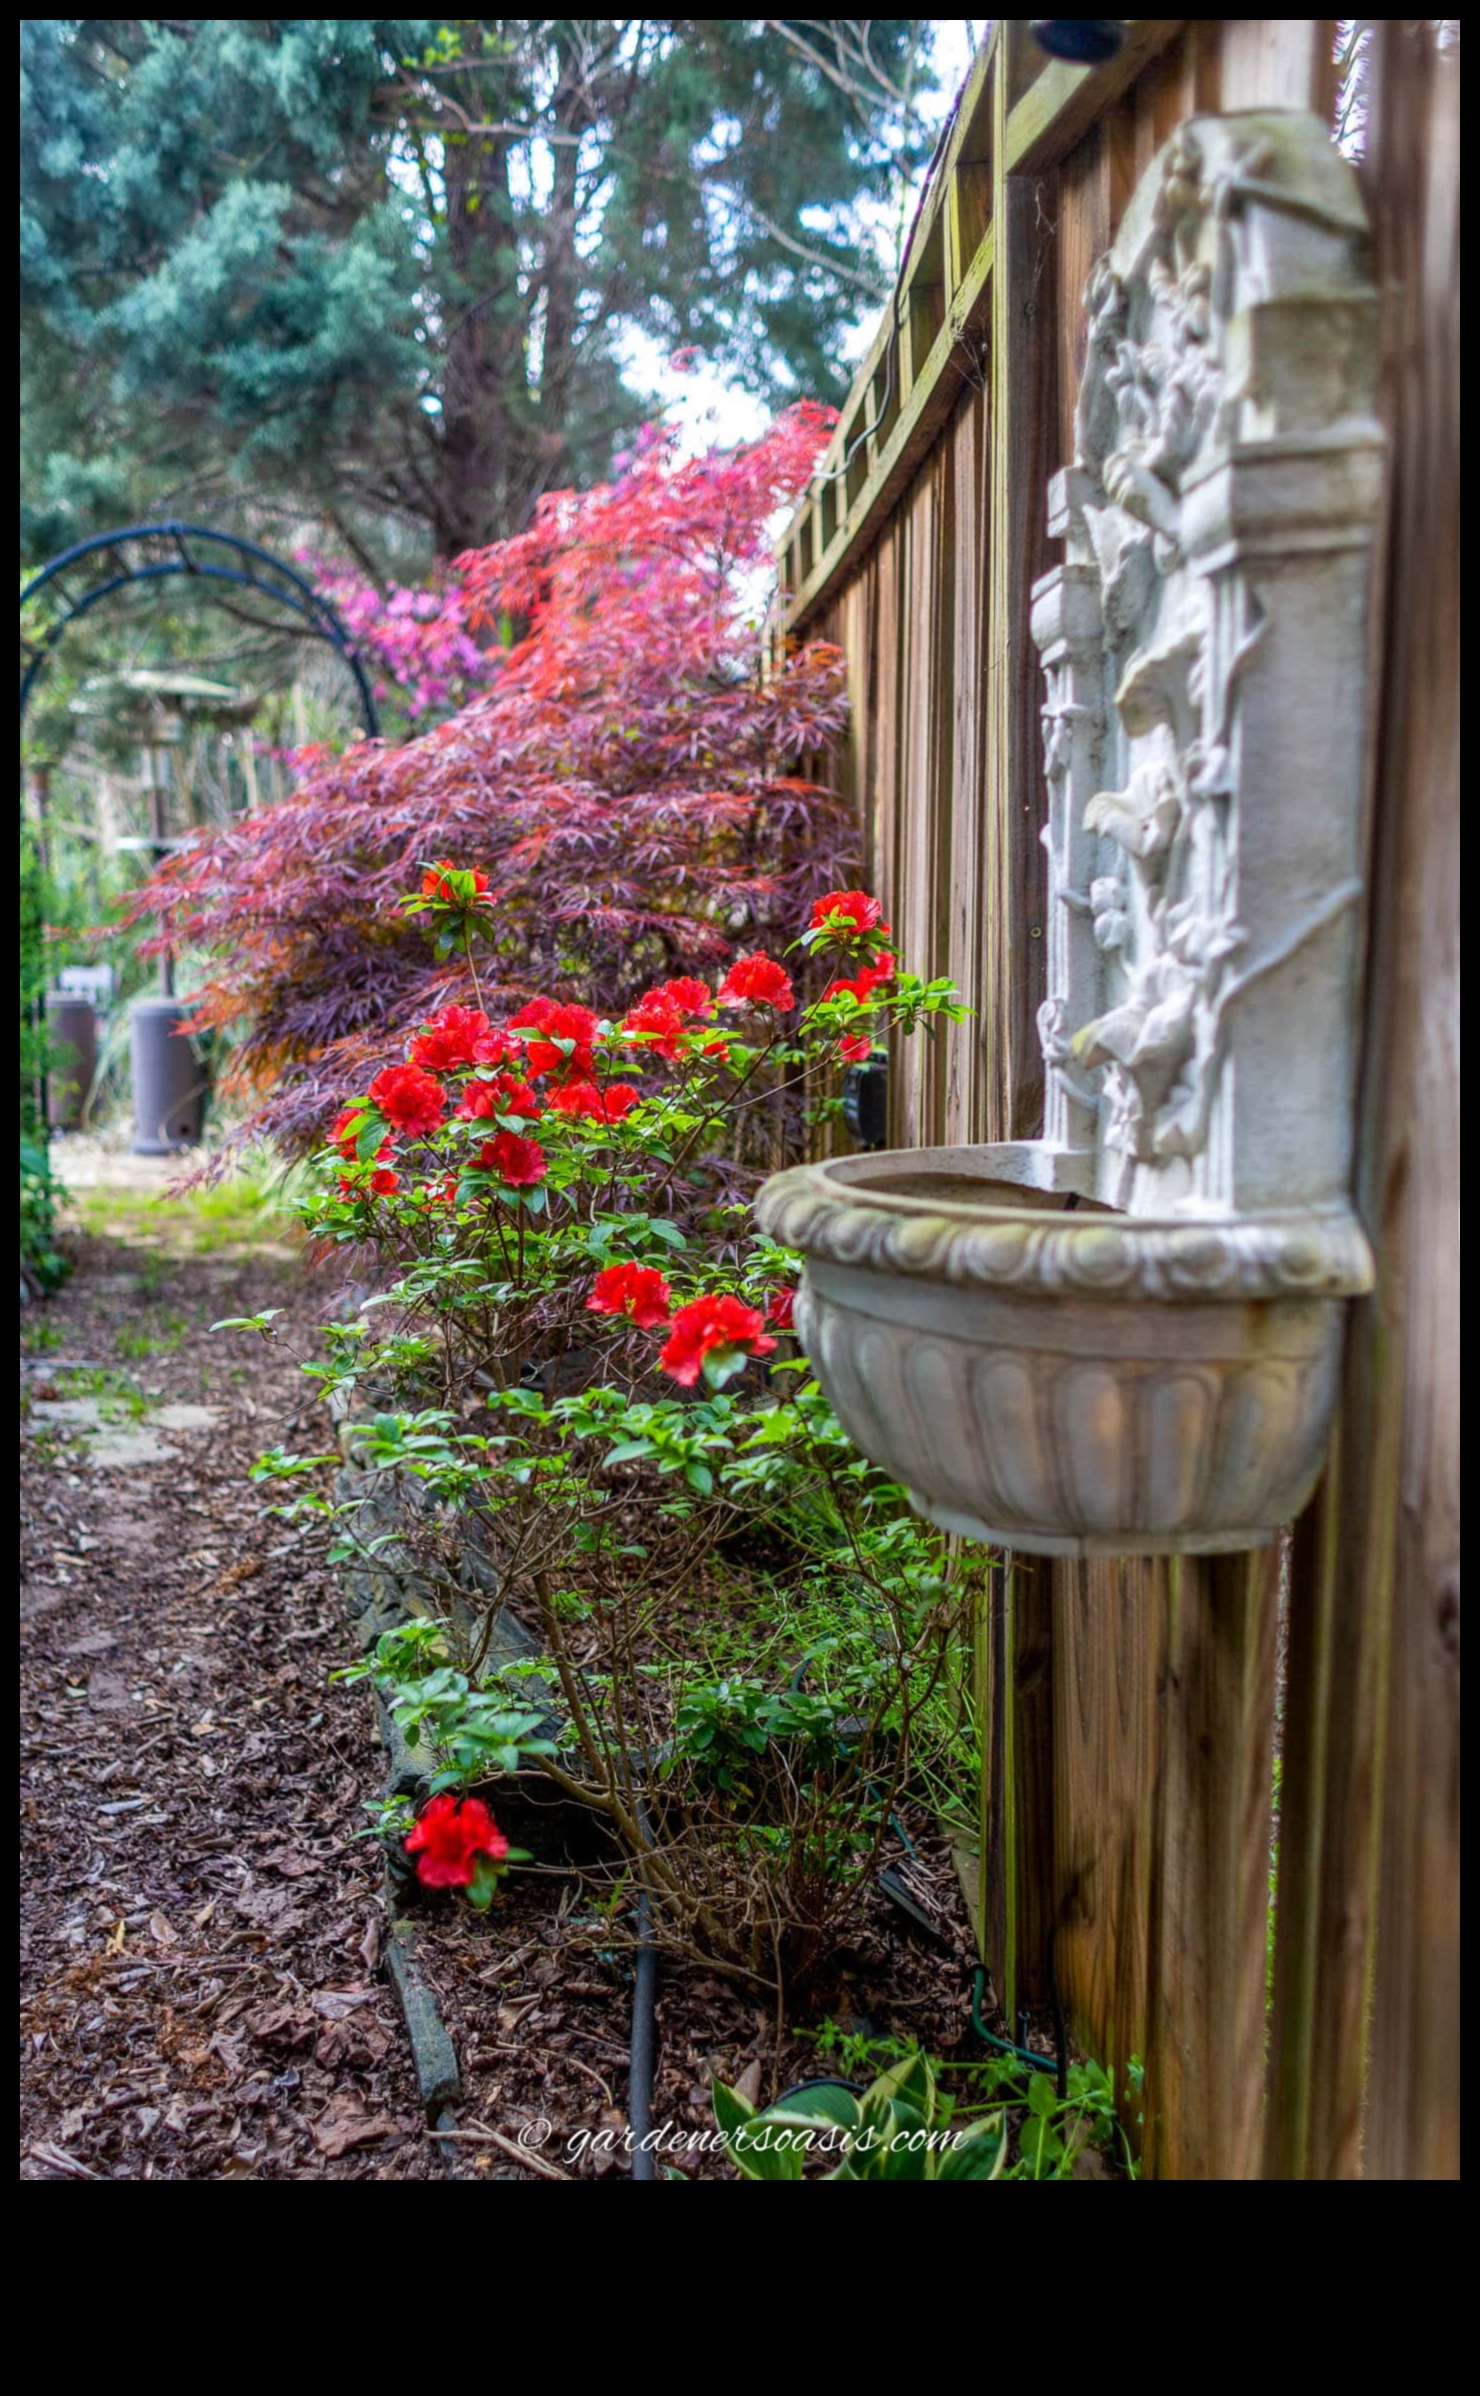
<point>631,779</point>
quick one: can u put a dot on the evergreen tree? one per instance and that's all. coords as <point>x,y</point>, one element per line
<point>379,271</point>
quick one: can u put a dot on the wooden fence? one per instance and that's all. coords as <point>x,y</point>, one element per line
<point>1135,1708</point>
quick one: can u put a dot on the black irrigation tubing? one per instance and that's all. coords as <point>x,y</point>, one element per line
<point>644,2027</point>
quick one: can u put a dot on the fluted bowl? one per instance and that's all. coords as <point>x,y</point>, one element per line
<point>1048,1374</point>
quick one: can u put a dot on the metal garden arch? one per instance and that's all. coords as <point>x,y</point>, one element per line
<point>82,577</point>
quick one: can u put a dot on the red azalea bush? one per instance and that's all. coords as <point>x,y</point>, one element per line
<point>436,1163</point>
<point>629,781</point>
<point>590,1358</point>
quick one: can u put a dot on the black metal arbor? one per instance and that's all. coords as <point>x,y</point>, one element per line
<point>80,578</point>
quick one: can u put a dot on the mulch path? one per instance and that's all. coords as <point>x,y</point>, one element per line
<point>202,1987</point>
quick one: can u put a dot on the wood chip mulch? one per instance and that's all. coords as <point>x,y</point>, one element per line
<point>203,1995</point>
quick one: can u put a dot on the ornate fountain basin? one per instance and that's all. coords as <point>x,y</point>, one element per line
<point>1043,1372</point>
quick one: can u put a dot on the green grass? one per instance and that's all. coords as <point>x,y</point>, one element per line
<point>118,1393</point>
<point>251,1211</point>
<point>167,1333</point>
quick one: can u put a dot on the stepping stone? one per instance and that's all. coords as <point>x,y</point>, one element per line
<point>87,1412</point>
<point>185,1417</point>
<point>130,1447</point>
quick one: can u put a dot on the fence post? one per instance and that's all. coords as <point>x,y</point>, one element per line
<point>1204,2085</point>
<point>1369,1880</point>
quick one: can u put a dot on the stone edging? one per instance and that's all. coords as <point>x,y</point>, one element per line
<point>375,1602</point>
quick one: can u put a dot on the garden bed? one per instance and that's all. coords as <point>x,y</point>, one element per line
<point>538,1992</point>
<point>205,1941</point>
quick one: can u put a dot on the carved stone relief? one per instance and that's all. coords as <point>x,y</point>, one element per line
<point>1214,518</point>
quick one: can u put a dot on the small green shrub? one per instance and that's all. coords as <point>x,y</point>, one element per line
<point>42,1264</point>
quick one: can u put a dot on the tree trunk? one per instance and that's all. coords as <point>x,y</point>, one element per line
<point>478,461</point>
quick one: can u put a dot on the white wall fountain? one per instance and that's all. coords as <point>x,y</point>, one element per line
<point>1124,1337</point>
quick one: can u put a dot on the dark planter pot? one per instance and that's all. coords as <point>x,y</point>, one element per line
<point>73,1025</point>
<point>169,1083</point>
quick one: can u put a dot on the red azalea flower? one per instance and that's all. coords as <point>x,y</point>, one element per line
<point>724,1328</point>
<point>576,1098</point>
<point>449,1041</point>
<point>550,1023</point>
<point>496,1048</point>
<point>435,885</point>
<point>656,1023</point>
<point>408,1098</point>
<point>448,1839</point>
<point>637,1291</point>
<point>779,1308</point>
<point>756,981</point>
<point>856,1049</point>
<point>518,1163</point>
<point>858,911</point>
<point>694,998</point>
<point>602,1106</point>
<point>382,1184</point>
<point>504,1095</point>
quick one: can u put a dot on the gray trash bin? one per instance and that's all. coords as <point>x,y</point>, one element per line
<point>169,1083</point>
<point>73,1067</point>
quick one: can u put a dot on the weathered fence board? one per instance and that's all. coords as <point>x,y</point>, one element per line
<point>1369,1889</point>
<point>1130,1707</point>
<point>1209,1900</point>
<point>1108,1668</point>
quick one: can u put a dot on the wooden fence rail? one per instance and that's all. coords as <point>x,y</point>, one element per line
<point>1134,1705</point>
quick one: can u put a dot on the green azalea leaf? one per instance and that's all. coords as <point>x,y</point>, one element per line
<point>369,1132</point>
